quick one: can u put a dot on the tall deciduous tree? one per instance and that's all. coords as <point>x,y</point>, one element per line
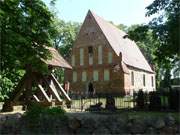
<point>143,36</point>
<point>25,30</point>
<point>166,28</point>
<point>63,41</point>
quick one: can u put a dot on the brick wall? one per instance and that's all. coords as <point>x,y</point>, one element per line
<point>120,82</point>
<point>91,35</point>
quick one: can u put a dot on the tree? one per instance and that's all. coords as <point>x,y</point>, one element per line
<point>166,29</point>
<point>143,36</point>
<point>66,37</point>
<point>25,31</point>
<point>123,27</point>
<point>63,41</point>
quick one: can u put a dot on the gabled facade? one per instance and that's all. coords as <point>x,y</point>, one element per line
<point>103,55</point>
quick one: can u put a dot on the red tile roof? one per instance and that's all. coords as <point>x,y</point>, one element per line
<point>131,54</point>
<point>57,60</point>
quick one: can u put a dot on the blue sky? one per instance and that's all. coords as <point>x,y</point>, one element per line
<point>127,12</point>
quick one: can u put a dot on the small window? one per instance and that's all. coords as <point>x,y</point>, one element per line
<point>152,81</point>
<point>106,75</point>
<point>74,76</point>
<point>90,50</point>
<point>100,54</point>
<point>95,75</point>
<point>81,56</point>
<point>144,80</point>
<point>84,76</point>
<point>132,78</point>
<point>109,57</point>
<point>73,60</point>
<point>90,59</point>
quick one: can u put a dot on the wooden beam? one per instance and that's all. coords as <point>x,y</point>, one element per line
<point>19,88</point>
<point>55,92</point>
<point>44,93</point>
<point>60,88</point>
<point>36,98</point>
<point>53,89</point>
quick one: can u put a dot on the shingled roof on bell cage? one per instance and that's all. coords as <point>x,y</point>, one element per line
<point>56,59</point>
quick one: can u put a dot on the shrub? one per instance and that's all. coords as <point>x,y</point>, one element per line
<point>44,120</point>
<point>174,100</point>
<point>155,101</point>
<point>140,100</point>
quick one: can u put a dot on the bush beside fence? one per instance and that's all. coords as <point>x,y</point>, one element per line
<point>153,101</point>
<point>158,100</point>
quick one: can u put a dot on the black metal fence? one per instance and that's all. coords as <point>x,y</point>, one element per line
<point>83,102</point>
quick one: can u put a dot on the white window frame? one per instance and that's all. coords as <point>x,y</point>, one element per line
<point>95,75</point>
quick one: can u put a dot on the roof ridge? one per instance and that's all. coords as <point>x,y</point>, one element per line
<point>113,25</point>
<point>131,54</point>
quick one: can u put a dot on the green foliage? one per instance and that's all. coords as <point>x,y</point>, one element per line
<point>140,100</point>
<point>41,119</point>
<point>65,36</point>
<point>122,27</point>
<point>55,111</point>
<point>35,111</point>
<point>59,74</point>
<point>63,41</point>
<point>174,98</point>
<point>148,44</point>
<point>25,31</point>
<point>6,87</point>
<point>166,29</point>
<point>142,34</point>
<point>8,81</point>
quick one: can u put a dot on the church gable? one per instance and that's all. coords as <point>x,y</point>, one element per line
<point>90,34</point>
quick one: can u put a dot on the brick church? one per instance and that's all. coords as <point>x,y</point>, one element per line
<point>104,56</point>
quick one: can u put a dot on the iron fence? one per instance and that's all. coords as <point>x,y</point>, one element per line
<point>83,102</point>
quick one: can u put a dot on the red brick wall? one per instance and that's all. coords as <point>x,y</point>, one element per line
<point>91,35</point>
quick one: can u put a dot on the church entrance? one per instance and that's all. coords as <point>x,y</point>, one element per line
<point>90,89</point>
